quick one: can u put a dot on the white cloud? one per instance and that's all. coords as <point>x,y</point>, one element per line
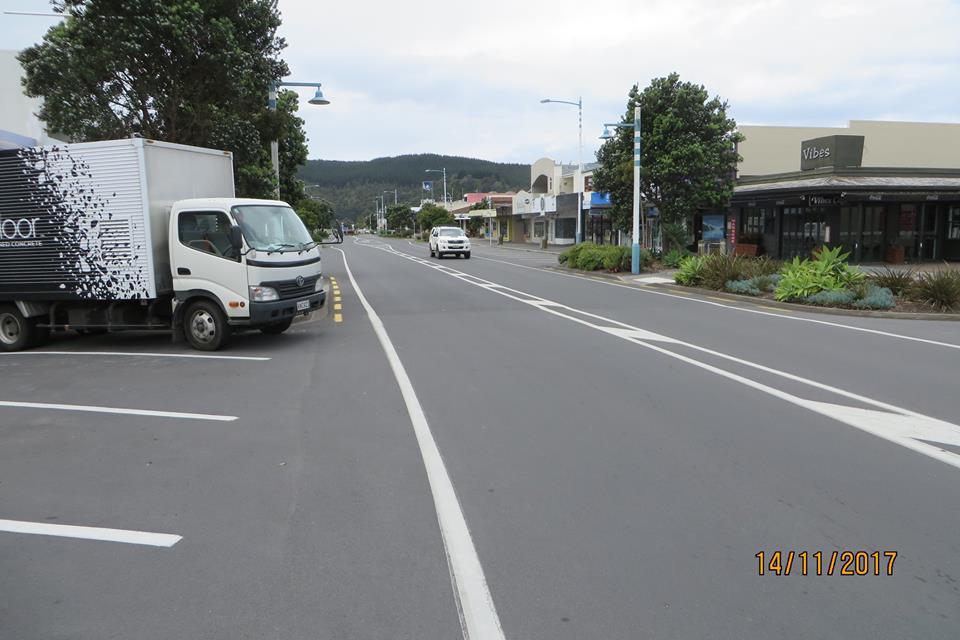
<point>465,78</point>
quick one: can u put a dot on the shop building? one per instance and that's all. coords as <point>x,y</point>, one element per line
<point>897,211</point>
<point>558,194</point>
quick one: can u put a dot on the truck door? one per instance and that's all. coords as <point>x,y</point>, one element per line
<point>202,258</point>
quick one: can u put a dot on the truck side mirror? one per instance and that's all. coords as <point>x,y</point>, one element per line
<point>236,238</point>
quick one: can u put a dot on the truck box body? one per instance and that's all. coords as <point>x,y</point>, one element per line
<point>90,221</point>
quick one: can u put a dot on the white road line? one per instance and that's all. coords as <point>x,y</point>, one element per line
<point>649,291</point>
<point>896,424</point>
<point>478,615</point>
<point>91,533</point>
<point>130,412</point>
<point>133,353</point>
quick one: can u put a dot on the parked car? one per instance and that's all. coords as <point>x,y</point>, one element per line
<point>447,240</point>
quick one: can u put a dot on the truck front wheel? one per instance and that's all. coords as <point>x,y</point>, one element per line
<point>16,332</point>
<point>205,326</point>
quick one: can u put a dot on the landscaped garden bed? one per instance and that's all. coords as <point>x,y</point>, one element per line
<point>588,256</point>
<point>825,280</point>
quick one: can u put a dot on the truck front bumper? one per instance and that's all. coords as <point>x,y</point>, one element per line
<point>264,313</point>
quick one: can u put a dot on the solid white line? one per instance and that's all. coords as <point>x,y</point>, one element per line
<point>478,615</point>
<point>133,353</point>
<point>130,412</point>
<point>898,425</point>
<point>647,290</point>
<point>91,533</point>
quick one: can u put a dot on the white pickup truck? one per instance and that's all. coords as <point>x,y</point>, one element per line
<point>139,234</point>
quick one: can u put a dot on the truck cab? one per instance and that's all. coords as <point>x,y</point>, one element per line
<point>240,263</point>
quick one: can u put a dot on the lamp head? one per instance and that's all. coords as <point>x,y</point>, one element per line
<point>318,98</point>
<point>545,101</point>
<point>606,135</point>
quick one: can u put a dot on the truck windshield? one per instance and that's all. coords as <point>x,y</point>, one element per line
<point>271,228</point>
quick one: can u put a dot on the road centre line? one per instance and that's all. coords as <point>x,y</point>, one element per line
<point>117,410</point>
<point>689,298</point>
<point>901,426</point>
<point>478,615</point>
<point>134,353</point>
<point>91,533</point>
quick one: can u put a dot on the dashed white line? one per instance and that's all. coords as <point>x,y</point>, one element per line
<point>118,410</point>
<point>91,533</point>
<point>478,615</point>
<point>901,426</point>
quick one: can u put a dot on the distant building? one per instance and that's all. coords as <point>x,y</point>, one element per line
<point>19,124</point>
<point>558,194</point>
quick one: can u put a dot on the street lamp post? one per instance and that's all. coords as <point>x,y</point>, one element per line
<point>444,171</point>
<point>635,234</point>
<point>317,99</point>
<point>579,105</point>
<point>394,192</point>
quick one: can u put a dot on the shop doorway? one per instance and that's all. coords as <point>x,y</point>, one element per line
<point>928,238</point>
<point>802,231</point>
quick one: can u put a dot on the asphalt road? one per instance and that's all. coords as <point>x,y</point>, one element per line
<point>619,454</point>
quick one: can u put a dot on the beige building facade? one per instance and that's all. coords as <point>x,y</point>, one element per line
<point>920,145</point>
<point>19,125</point>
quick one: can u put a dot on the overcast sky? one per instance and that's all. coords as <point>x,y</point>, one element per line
<point>466,78</point>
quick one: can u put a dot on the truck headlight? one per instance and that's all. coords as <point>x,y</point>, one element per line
<point>317,288</point>
<point>263,294</point>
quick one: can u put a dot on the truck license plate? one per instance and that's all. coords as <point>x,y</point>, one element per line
<point>303,305</point>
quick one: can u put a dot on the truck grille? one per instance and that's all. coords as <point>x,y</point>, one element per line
<point>290,289</point>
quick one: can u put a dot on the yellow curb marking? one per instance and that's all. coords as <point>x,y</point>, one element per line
<point>337,307</point>
<point>338,318</point>
<point>336,298</point>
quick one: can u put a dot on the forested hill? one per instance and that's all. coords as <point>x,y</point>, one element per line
<point>352,186</point>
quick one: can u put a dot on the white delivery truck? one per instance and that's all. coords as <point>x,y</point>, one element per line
<point>139,234</point>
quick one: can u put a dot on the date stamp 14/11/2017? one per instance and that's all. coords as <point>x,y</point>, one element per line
<point>831,563</point>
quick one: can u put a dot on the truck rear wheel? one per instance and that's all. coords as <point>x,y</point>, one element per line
<point>277,328</point>
<point>205,326</point>
<point>16,332</point>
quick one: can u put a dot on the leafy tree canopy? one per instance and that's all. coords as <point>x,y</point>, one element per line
<point>175,70</point>
<point>399,216</point>
<point>432,215</point>
<point>689,155</point>
<point>317,215</point>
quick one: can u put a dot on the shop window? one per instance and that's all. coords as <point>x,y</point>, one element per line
<point>538,229</point>
<point>953,223</point>
<point>752,223</point>
<point>565,228</point>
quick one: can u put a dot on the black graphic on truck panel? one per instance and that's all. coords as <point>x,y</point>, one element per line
<point>60,237</point>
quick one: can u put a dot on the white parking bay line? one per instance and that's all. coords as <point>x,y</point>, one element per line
<point>91,533</point>
<point>134,353</point>
<point>130,412</point>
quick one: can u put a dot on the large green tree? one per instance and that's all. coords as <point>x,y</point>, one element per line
<point>433,215</point>
<point>317,215</point>
<point>688,149</point>
<point>400,216</point>
<point>189,71</point>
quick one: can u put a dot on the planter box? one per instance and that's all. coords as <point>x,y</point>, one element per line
<point>746,250</point>
<point>895,254</point>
